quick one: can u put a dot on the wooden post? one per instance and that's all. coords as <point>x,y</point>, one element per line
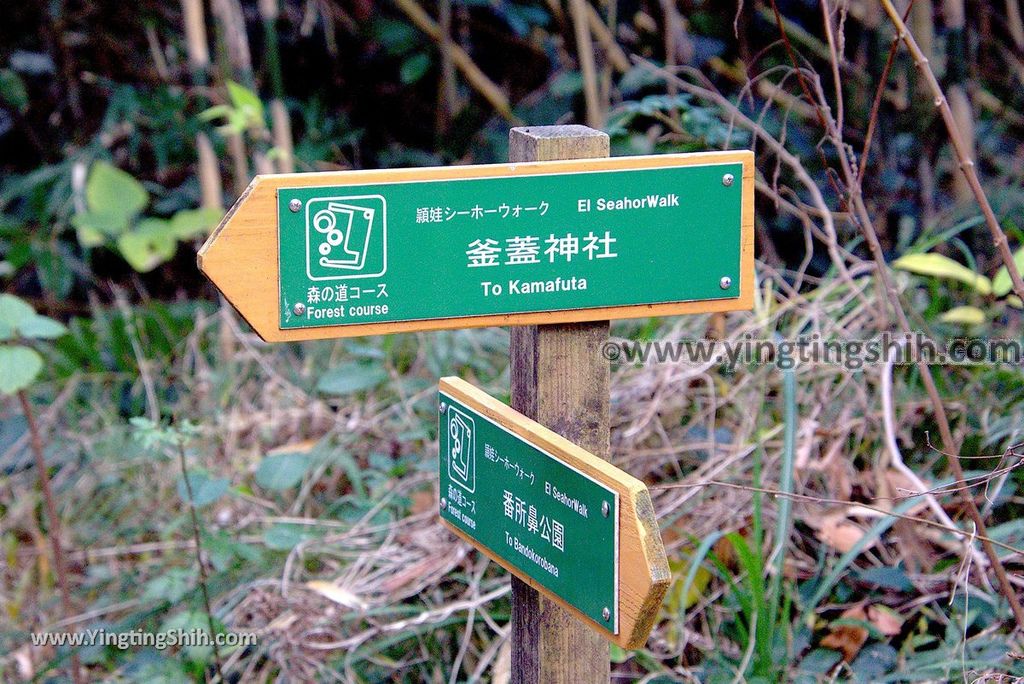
<point>559,379</point>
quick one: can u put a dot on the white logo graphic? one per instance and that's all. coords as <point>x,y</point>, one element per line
<point>461,449</point>
<point>346,237</point>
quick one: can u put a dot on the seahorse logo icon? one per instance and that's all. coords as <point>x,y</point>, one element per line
<point>461,449</point>
<point>346,237</point>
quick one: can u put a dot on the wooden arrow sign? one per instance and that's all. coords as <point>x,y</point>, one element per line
<point>322,255</point>
<point>568,523</point>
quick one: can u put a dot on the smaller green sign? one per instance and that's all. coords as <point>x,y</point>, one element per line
<point>540,516</point>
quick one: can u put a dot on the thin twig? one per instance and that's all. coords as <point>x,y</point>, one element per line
<point>827,501</point>
<point>963,156</point>
<point>199,555</point>
<point>831,238</point>
<point>863,219</point>
<point>875,106</point>
<point>55,527</point>
<point>896,458</point>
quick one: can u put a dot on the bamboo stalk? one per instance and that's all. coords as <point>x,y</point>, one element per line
<point>956,93</point>
<point>922,18</point>
<point>282,131</point>
<point>614,53</point>
<point>212,191</point>
<point>1014,23</point>
<point>964,158</point>
<point>236,43</point>
<point>448,95</point>
<point>281,127</point>
<point>668,10</point>
<point>239,163</point>
<point>588,67</point>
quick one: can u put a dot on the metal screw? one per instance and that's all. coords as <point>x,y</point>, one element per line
<point>725,283</point>
<point>295,205</point>
<point>606,614</point>
<point>442,407</point>
<point>299,309</point>
<point>605,509</point>
<point>727,179</point>
<point>444,504</point>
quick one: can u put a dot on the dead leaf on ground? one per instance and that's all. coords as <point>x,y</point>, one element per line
<point>423,501</point>
<point>885,619</point>
<point>839,533</point>
<point>303,447</point>
<point>339,595</point>
<point>848,639</point>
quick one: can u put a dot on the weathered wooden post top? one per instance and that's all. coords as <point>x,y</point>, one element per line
<point>554,243</point>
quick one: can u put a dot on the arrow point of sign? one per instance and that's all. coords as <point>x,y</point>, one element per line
<point>650,580</point>
<point>240,257</point>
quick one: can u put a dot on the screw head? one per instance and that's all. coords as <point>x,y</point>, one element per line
<point>442,407</point>
<point>605,508</point>
<point>727,179</point>
<point>299,309</point>
<point>725,283</point>
<point>606,614</point>
<point>295,205</point>
<point>444,504</point>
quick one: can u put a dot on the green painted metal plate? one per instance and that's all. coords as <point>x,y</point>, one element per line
<point>423,250</point>
<point>539,515</point>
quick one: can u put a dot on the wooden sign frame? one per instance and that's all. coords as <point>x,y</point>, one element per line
<point>643,572</point>
<point>241,256</point>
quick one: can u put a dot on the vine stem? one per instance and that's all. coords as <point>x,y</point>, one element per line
<point>959,146</point>
<point>867,229</point>
<point>199,558</point>
<point>55,528</point>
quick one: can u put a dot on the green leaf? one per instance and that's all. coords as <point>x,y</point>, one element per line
<point>965,315</point>
<point>567,84</point>
<point>94,227</point>
<point>940,266</point>
<point>414,68</point>
<point>351,378</point>
<point>12,90</point>
<point>887,577</point>
<point>38,327</point>
<point>170,586</point>
<point>17,317</point>
<point>110,190</point>
<point>19,367</point>
<point>282,471</point>
<point>205,489</point>
<point>215,112</point>
<point>284,537</point>
<point>149,245</point>
<point>1001,284</point>
<point>14,311</point>
<point>246,102</point>
<point>55,268</point>
<point>189,223</point>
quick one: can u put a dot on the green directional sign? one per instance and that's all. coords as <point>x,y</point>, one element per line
<point>536,514</point>
<point>445,248</point>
